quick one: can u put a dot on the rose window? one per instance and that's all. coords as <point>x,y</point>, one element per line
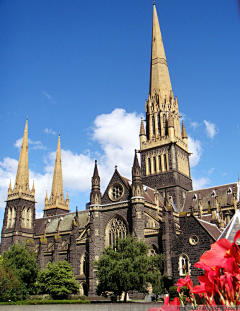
<point>116,192</point>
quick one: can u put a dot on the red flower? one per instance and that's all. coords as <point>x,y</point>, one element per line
<point>184,282</point>
<point>221,252</point>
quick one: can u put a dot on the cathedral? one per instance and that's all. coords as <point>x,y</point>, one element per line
<point>158,204</point>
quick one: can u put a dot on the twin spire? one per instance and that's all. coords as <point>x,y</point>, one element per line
<point>56,203</point>
<point>21,188</point>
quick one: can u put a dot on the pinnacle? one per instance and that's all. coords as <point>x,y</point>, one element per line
<point>184,133</point>
<point>142,129</point>
<point>136,163</point>
<point>95,173</point>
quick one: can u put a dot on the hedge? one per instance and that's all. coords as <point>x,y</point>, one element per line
<point>44,302</point>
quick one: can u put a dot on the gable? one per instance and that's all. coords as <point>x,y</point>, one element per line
<point>118,190</point>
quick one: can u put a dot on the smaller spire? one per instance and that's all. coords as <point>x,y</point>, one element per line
<point>95,173</point>
<point>67,199</point>
<point>136,163</point>
<point>184,133</point>
<point>142,128</point>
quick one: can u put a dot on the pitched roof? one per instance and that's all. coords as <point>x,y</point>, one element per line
<point>224,193</point>
<point>64,222</point>
<point>212,229</point>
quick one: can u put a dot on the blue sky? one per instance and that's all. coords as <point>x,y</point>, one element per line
<point>81,68</point>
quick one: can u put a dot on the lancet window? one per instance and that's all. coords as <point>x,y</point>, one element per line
<point>154,165</point>
<point>159,164</point>
<point>26,218</point>
<point>159,124</point>
<point>184,265</point>
<point>153,125</point>
<point>84,264</point>
<point>164,125</point>
<point>116,229</point>
<point>149,166</point>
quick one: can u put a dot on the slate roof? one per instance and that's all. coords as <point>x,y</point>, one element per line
<point>224,193</point>
<point>51,223</point>
<point>213,230</point>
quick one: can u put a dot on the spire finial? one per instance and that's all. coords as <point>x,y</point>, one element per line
<point>154,2</point>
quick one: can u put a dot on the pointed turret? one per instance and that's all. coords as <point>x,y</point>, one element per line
<point>56,203</point>
<point>137,187</point>
<point>159,76</point>
<point>95,195</point>
<point>142,133</point>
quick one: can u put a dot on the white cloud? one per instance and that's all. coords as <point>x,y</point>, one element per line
<point>195,148</point>
<point>200,183</point>
<point>194,124</point>
<point>49,131</point>
<point>8,169</point>
<point>49,97</point>
<point>35,144</point>
<point>211,129</point>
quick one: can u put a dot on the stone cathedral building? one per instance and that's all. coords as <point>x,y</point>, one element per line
<point>158,204</point>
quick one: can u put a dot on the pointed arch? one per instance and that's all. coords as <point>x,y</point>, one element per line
<point>13,217</point>
<point>9,217</point>
<point>116,227</point>
<point>184,265</point>
<point>84,264</point>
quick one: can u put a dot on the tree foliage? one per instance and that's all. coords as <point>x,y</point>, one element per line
<point>57,279</point>
<point>128,266</point>
<point>22,260</point>
<point>10,284</point>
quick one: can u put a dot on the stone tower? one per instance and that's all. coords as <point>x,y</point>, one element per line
<point>19,216</point>
<point>163,145</point>
<point>56,204</point>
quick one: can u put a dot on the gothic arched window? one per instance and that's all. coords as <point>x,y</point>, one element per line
<point>13,217</point>
<point>164,125</point>
<point>159,124</point>
<point>116,228</point>
<point>159,164</point>
<point>24,218</point>
<point>154,165</point>
<point>84,264</point>
<point>9,217</point>
<point>149,166</point>
<point>153,125</point>
<point>184,265</point>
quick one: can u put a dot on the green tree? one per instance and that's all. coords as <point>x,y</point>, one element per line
<point>23,260</point>
<point>128,267</point>
<point>57,279</point>
<point>11,287</point>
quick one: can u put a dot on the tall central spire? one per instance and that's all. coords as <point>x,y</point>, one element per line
<point>159,77</point>
<point>56,204</point>
<point>163,146</point>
